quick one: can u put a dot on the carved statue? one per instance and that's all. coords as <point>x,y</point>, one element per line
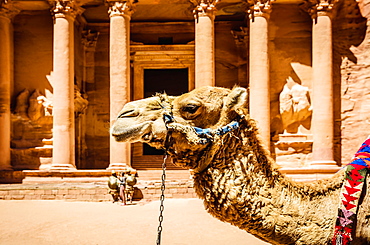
<point>295,107</point>
<point>36,108</point>
<point>21,105</point>
<point>80,103</point>
<point>209,131</point>
<point>32,107</point>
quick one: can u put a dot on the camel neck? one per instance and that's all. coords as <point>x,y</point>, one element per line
<point>243,186</point>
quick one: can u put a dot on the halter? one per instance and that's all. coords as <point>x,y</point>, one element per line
<point>200,136</point>
<point>167,119</point>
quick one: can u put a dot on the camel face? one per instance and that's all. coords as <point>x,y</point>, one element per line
<point>141,121</point>
<point>205,107</point>
<point>201,107</point>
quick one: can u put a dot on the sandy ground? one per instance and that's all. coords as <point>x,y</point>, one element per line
<point>78,223</point>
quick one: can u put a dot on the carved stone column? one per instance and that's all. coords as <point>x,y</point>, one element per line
<point>119,59</point>
<point>259,69</point>
<point>204,14</point>
<point>322,83</point>
<point>64,13</point>
<point>7,12</point>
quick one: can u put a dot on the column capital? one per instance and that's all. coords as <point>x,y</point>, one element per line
<point>120,8</point>
<point>89,38</point>
<point>65,8</point>
<point>240,36</point>
<point>7,9</point>
<point>319,7</point>
<point>204,8</point>
<point>259,8</point>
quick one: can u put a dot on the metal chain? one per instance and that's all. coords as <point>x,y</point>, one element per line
<point>161,207</point>
<point>167,118</point>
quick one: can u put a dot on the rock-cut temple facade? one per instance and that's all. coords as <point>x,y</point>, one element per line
<point>67,67</point>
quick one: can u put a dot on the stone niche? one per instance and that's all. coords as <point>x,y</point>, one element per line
<point>32,124</point>
<point>158,57</point>
<point>293,147</point>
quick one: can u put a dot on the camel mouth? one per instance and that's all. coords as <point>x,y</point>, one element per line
<point>151,138</point>
<point>128,134</point>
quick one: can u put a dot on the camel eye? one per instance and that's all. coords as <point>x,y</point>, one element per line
<point>129,113</point>
<point>190,108</point>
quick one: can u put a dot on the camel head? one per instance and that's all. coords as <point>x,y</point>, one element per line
<point>150,120</point>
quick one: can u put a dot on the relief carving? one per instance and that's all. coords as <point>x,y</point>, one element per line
<point>117,8</point>
<point>204,7</point>
<point>39,106</point>
<point>80,102</point>
<point>295,106</point>
<point>7,9</point>
<point>89,38</point>
<point>61,9</point>
<point>315,7</point>
<point>259,8</point>
<point>36,105</point>
<point>21,105</point>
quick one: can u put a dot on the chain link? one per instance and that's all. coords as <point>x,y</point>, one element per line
<point>161,207</point>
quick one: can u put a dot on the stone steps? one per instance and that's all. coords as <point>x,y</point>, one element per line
<point>90,185</point>
<point>92,192</point>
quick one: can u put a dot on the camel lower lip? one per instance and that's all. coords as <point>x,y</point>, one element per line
<point>147,137</point>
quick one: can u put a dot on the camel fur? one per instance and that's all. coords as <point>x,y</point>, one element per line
<point>233,173</point>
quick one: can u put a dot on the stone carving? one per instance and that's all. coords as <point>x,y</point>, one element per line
<point>39,106</point>
<point>21,105</point>
<point>204,7</point>
<point>32,107</point>
<point>259,8</point>
<point>117,8</point>
<point>89,38</point>
<point>315,7</point>
<point>295,107</point>
<point>8,9</point>
<point>60,9</point>
<point>80,102</point>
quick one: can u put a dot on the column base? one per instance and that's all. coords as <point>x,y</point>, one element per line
<point>59,167</point>
<point>118,166</point>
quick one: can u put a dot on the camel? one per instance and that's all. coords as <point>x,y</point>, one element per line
<point>209,131</point>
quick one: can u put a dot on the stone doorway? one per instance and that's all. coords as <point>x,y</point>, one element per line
<point>169,81</point>
<point>159,68</point>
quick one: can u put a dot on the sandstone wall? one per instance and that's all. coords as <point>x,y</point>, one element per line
<point>352,57</point>
<point>97,114</point>
<point>290,50</point>
<point>229,61</point>
<point>33,52</point>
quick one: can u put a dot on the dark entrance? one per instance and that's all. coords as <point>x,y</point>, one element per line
<point>169,81</point>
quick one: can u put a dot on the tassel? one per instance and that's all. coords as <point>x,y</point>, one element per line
<point>339,240</point>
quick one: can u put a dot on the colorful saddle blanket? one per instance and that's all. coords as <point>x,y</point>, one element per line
<point>354,179</point>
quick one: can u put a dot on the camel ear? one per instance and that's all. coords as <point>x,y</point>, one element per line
<point>236,100</point>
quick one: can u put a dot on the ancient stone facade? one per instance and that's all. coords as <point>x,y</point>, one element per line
<point>67,67</point>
